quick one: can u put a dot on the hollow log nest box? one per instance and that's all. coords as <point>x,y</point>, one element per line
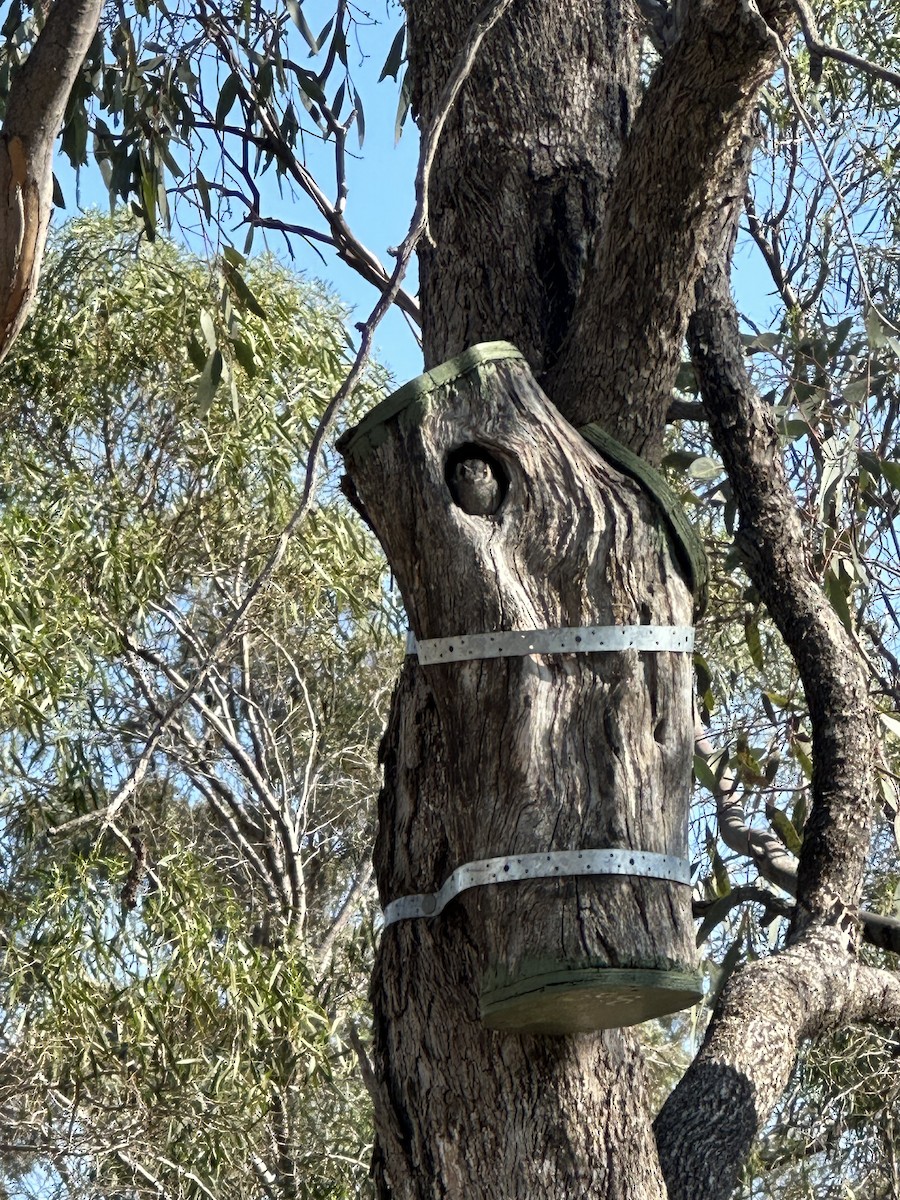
<point>547,791</point>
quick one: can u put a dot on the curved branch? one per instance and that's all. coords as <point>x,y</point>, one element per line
<point>764,849</point>
<point>812,988</point>
<point>836,837</point>
<point>820,49</point>
<point>816,984</point>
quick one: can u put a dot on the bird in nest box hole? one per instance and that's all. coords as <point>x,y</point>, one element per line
<point>476,484</point>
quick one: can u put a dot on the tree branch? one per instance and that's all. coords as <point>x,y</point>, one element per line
<point>775,906</point>
<point>34,115</point>
<point>825,50</point>
<point>40,91</point>
<point>622,352</point>
<point>343,915</point>
<point>769,856</point>
<point>275,807</point>
<point>771,859</point>
<point>832,182</point>
<point>770,252</point>
<point>813,988</point>
<point>816,984</point>
<point>482,25</point>
<point>349,248</point>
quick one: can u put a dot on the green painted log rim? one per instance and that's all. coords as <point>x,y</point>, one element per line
<point>355,440</point>
<point>688,546</point>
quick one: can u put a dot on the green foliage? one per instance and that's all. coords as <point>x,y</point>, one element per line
<point>170,1024</point>
<point>183,970</point>
<point>835,1132</point>
<point>154,425</point>
<point>112,470</point>
<point>188,106</point>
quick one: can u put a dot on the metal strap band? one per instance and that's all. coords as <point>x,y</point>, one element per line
<point>584,640</point>
<point>555,864</point>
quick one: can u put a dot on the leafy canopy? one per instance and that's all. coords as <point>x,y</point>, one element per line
<point>182,970</point>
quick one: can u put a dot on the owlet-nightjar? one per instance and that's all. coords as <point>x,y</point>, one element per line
<point>475,487</point>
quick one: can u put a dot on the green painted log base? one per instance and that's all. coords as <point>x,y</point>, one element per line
<point>580,1001</point>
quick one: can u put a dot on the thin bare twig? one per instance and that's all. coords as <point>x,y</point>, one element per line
<point>465,60</point>
<point>769,251</point>
<point>125,792</point>
<point>276,809</point>
<point>348,246</point>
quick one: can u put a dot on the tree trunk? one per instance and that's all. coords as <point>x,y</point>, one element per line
<point>34,114</point>
<point>523,168</point>
<point>494,758</point>
<point>560,223</point>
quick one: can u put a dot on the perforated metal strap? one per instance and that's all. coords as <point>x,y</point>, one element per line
<point>579,640</point>
<point>555,864</point>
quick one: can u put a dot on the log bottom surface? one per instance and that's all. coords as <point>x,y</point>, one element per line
<point>574,1000</point>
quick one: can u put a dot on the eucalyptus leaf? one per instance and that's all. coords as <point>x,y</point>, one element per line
<point>394,60</point>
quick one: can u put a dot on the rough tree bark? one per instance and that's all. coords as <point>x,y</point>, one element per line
<point>546,751</point>
<point>568,225</point>
<point>523,168</point>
